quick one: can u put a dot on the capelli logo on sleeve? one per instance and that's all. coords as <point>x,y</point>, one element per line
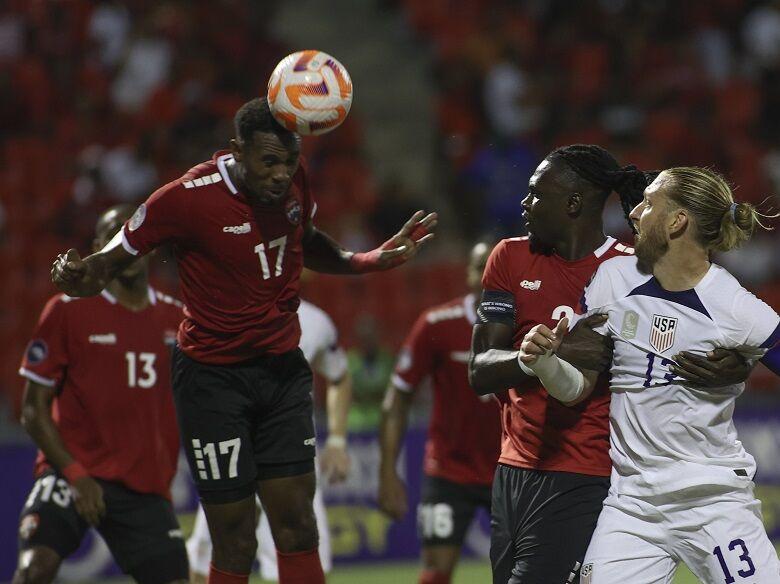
<point>528,285</point>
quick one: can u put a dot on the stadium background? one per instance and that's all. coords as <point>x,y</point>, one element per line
<point>456,101</point>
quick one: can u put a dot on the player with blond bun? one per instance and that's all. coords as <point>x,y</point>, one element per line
<point>681,485</point>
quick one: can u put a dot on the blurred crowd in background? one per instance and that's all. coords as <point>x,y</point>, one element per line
<point>103,101</point>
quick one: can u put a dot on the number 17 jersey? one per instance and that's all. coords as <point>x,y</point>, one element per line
<point>239,263</point>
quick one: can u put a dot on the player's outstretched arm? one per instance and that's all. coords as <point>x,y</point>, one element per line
<point>322,253</point>
<point>89,276</point>
<point>37,420</point>
<point>395,416</point>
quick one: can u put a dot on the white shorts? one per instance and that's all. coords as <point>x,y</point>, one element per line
<point>199,543</point>
<point>720,538</point>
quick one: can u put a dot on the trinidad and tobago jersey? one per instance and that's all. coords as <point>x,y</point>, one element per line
<point>538,431</point>
<point>239,264</point>
<point>111,369</point>
<point>464,435</point>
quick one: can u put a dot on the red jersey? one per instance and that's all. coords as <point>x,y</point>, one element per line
<point>464,435</point>
<point>110,365</point>
<point>539,432</point>
<point>239,264</point>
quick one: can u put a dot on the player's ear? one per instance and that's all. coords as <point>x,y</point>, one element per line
<point>97,245</point>
<point>678,222</point>
<point>574,204</point>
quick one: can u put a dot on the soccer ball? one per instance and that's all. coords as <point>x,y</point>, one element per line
<point>310,92</point>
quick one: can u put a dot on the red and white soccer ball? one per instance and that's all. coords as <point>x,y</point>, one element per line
<point>310,92</point>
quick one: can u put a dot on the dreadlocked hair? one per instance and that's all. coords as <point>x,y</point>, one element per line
<point>598,167</point>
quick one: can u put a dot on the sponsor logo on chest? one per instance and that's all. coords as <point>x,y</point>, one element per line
<point>105,339</point>
<point>662,332</point>
<point>531,285</point>
<point>238,229</point>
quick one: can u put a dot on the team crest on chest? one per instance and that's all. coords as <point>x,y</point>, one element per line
<point>293,211</point>
<point>662,332</point>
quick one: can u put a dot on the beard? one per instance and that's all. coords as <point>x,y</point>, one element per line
<point>650,247</point>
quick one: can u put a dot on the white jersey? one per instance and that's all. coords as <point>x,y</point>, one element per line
<point>319,342</point>
<point>666,436</point>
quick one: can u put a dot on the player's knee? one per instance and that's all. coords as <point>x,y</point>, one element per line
<point>236,549</point>
<point>297,533</point>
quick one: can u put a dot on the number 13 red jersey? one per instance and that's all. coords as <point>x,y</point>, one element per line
<point>539,432</point>
<point>239,264</point>
<point>110,367</point>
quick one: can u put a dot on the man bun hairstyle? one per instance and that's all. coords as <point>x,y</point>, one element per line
<point>721,222</point>
<point>255,116</point>
<point>597,166</point>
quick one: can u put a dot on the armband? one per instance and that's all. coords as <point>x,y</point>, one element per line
<point>497,306</point>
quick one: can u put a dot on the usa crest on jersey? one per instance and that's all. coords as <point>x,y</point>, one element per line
<point>662,332</point>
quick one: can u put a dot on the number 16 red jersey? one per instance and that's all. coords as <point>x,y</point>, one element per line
<point>239,264</point>
<point>539,432</point>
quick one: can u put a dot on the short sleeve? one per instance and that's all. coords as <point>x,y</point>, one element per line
<point>759,324</point>
<point>331,361</point>
<point>415,361</point>
<point>161,219</point>
<point>598,293</point>
<point>45,360</point>
<point>496,276</point>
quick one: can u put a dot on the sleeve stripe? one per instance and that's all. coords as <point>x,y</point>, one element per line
<point>399,382</point>
<point>126,244</point>
<point>773,339</point>
<point>36,378</point>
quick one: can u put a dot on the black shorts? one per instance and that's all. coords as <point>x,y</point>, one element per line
<point>141,530</point>
<point>541,524</point>
<point>446,510</point>
<point>244,422</point>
